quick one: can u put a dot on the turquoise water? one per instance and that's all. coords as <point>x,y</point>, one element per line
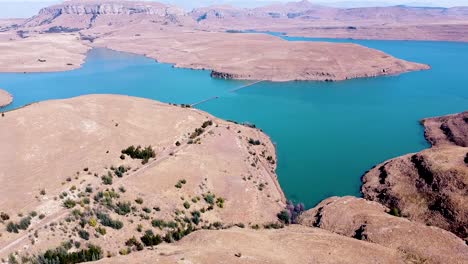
<point>327,134</point>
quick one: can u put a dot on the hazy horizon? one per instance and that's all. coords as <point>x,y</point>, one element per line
<point>28,8</point>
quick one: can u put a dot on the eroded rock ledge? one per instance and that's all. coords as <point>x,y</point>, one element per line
<point>5,98</point>
<point>430,186</point>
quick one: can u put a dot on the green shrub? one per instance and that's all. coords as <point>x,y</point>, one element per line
<point>149,239</point>
<point>106,220</point>
<point>284,217</point>
<point>12,227</point>
<point>123,208</point>
<point>101,230</point>
<point>207,124</point>
<point>133,242</point>
<point>209,198</point>
<point>69,203</point>
<point>107,179</point>
<point>83,234</point>
<point>220,202</point>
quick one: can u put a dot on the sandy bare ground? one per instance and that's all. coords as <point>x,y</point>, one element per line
<point>41,52</point>
<point>295,244</point>
<point>5,98</point>
<point>55,141</point>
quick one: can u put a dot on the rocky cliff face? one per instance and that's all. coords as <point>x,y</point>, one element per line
<point>430,186</point>
<point>86,14</point>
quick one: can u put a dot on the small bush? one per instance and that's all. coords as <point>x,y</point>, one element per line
<point>69,203</point>
<point>186,205</point>
<point>209,198</point>
<point>139,200</point>
<point>83,234</point>
<point>107,179</point>
<point>123,208</point>
<point>149,239</point>
<point>101,230</point>
<point>220,202</point>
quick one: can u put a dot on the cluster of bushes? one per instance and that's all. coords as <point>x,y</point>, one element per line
<point>159,223</point>
<point>23,224</point>
<point>150,239</point>
<point>69,203</point>
<point>291,214</point>
<point>107,179</point>
<point>140,153</point>
<point>207,124</point>
<point>180,183</point>
<point>120,171</point>
<point>134,243</point>
<point>254,142</point>
<point>105,198</point>
<point>106,220</point>
<point>197,133</point>
<point>123,208</point>
<point>61,255</point>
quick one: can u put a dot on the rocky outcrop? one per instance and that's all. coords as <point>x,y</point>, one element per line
<point>431,186</point>
<point>87,14</point>
<point>447,130</point>
<point>370,221</point>
<point>5,98</point>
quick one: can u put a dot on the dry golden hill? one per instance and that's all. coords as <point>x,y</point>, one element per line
<point>65,175</point>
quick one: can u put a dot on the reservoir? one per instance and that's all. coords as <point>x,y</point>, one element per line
<point>327,134</point>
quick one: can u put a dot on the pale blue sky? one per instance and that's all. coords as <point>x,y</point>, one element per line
<point>27,8</point>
